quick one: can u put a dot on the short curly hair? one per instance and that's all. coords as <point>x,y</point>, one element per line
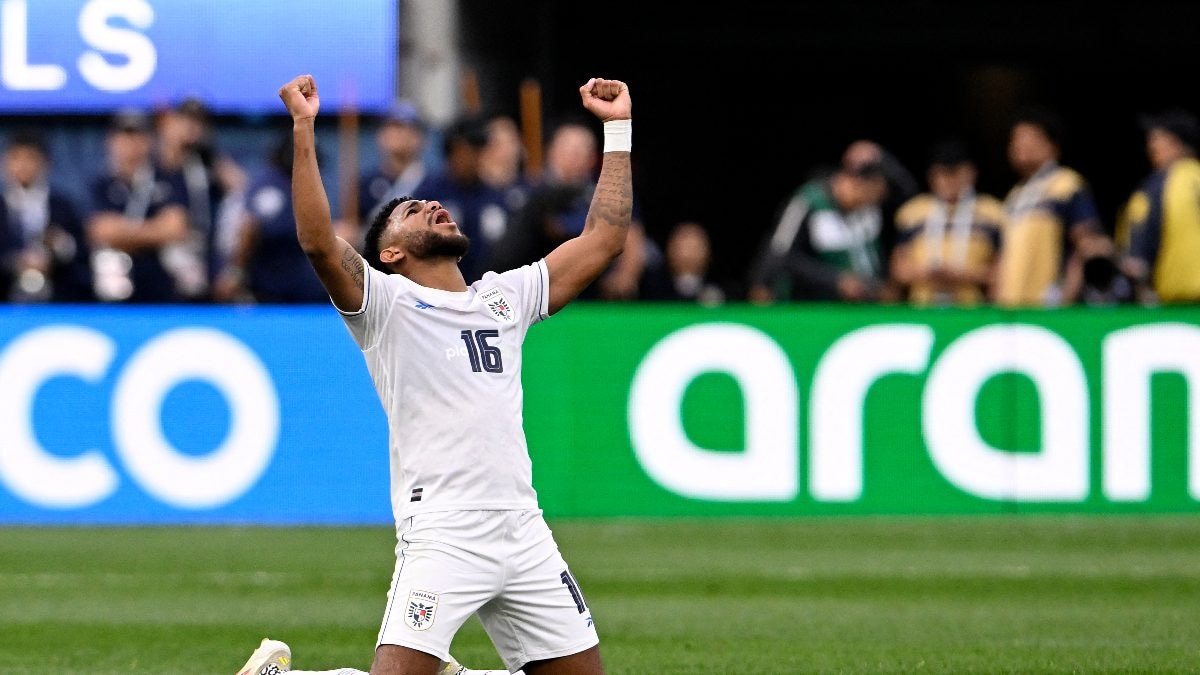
<point>375,232</point>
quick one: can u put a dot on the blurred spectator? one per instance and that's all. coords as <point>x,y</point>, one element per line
<point>400,142</point>
<point>137,214</point>
<point>479,209</point>
<point>1160,228</point>
<point>186,152</point>
<point>502,164</point>
<point>825,244</point>
<point>901,186</point>
<point>267,266</point>
<point>43,249</point>
<point>623,279</point>
<point>684,274</point>
<point>948,238</point>
<point>1050,216</point>
<point>557,209</point>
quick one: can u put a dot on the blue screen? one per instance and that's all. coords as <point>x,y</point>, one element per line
<point>192,415</point>
<point>93,56</point>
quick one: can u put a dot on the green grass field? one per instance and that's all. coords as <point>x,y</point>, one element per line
<point>853,595</point>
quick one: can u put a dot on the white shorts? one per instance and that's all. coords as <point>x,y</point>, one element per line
<point>503,566</point>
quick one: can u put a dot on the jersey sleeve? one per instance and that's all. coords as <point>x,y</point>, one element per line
<point>531,283</point>
<point>910,218</point>
<point>1071,200</point>
<point>1144,227</point>
<point>367,323</point>
<point>1081,210</point>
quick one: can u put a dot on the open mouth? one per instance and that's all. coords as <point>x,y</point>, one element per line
<point>442,217</point>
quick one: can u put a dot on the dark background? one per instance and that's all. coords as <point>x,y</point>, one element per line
<point>735,105</point>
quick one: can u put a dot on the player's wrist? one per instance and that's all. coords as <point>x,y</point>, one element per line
<point>618,135</point>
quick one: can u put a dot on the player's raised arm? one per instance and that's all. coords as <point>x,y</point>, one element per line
<point>577,262</point>
<point>337,264</point>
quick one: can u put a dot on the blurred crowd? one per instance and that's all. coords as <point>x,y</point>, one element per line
<point>171,218</point>
<point>869,231</point>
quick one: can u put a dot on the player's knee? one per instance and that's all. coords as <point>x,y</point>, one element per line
<point>397,660</point>
<point>586,662</point>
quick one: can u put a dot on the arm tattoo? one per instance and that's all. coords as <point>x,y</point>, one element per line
<point>612,203</point>
<point>352,262</point>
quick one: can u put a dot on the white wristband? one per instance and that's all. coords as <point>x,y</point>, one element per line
<point>618,135</point>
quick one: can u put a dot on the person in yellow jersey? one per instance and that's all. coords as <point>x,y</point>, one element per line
<point>1159,231</point>
<point>947,239</point>
<point>1050,215</point>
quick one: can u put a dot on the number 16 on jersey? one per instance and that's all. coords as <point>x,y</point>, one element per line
<point>484,357</point>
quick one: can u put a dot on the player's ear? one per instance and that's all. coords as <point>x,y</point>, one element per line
<point>391,255</point>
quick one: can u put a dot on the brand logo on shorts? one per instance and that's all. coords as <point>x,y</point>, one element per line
<point>498,304</point>
<point>422,610</point>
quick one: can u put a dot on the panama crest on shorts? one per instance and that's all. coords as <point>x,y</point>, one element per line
<point>422,610</point>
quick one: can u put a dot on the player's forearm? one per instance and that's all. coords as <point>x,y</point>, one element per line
<point>116,231</point>
<point>611,209</point>
<point>170,226</point>
<point>314,225</point>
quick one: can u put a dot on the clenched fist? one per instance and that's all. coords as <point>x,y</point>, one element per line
<point>300,97</point>
<point>607,99</point>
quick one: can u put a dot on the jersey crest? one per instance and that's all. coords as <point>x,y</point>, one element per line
<point>498,305</point>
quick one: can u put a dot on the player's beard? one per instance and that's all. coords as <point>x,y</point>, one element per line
<point>430,244</point>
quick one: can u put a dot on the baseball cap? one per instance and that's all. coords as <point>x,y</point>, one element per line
<point>1177,122</point>
<point>131,120</point>
<point>404,112</point>
<point>193,107</point>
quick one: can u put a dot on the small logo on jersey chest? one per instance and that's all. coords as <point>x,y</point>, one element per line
<point>498,305</point>
<point>422,610</point>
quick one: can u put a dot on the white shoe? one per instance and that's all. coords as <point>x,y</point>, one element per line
<point>271,658</point>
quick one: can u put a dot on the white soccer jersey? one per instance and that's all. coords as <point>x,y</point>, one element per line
<point>447,367</point>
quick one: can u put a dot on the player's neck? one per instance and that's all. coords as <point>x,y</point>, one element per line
<point>440,273</point>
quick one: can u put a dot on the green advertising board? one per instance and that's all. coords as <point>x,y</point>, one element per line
<point>636,409</point>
